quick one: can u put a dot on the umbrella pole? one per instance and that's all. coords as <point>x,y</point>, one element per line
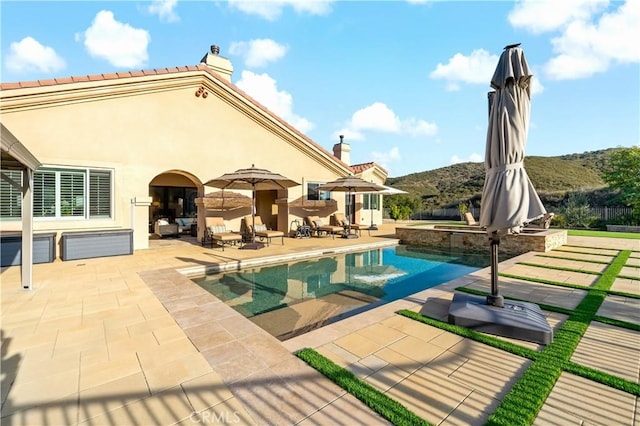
<point>373,227</point>
<point>495,299</point>
<point>253,245</point>
<point>348,233</point>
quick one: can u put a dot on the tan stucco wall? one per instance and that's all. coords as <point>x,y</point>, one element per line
<point>143,135</point>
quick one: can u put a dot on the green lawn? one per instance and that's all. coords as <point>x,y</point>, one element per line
<point>589,233</point>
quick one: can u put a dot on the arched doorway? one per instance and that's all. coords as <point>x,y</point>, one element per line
<point>173,194</point>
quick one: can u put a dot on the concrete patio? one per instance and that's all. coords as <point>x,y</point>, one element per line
<point>131,340</point>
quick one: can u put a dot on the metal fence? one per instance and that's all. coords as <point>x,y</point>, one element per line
<point>604,213</point>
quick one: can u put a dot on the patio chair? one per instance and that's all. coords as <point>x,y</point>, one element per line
<point>318,227</point>
<point>261,229</point>
<point>216,233</point>
<point>339,219</point>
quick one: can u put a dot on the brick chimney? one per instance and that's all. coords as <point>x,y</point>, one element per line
<point>219,64</point>
<point>342,150</point>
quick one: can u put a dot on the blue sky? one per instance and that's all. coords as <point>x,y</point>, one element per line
<point>404,81</point>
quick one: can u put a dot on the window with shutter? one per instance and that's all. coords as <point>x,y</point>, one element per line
<point>71,193</point>
<point>99,194</point>
<point>44,193</point>
<point>10,194</point>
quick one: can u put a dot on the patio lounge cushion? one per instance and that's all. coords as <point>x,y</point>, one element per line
<point>217,229</point>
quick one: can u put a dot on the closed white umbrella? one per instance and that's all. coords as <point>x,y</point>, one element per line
<point>509,200</point>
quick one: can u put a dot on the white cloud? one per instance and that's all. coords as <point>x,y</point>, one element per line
<point>385,158</point>
<point>593,34</point>
<point>272,9</point>
<point>539,16</point>
<point>476,68</point>
<point>264,89</point>
<point>259,52</point>
<point>473,158</point>
<point>586,48</point>
<point>29,55</point>
<point>165,9</point>
<point>119,43</point>
<point>378,117</point>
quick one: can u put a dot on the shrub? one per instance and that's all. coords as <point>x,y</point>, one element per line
<point>577,210</point>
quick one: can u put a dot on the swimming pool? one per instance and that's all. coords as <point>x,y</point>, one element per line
<point>290,299</point>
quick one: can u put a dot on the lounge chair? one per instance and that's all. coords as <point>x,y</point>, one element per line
<point>320,226</point>
<point>216,232</point>
<point>471,221</point>
<point>262,231</point>
<point>544,223</point>
<point>339,219</point>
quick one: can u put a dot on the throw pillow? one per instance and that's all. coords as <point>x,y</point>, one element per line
<point>317,223</point>
<point>261,227</point>
<point>163,222</point>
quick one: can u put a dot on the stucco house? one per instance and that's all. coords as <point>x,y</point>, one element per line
<point>117,151</point>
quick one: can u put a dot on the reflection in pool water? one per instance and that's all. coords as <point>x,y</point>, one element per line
<point>290,299</point>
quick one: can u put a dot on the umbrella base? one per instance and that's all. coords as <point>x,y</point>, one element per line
<point>373,228</point>
<point>253,246</point>
<point>497,301</point>
<point>349,236</point>
<point>517,320</point>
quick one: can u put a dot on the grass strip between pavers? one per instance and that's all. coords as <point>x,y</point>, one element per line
<point>561,250</point>
<point>567,285</point>
<point>388,408</point>
<point>558,268</point>
<point>600,262</point>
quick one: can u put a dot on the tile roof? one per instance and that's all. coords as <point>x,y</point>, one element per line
<point>160,71</point>
<point>359,168</point>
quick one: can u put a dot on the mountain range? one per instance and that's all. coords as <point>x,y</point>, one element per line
<point>553,178</point>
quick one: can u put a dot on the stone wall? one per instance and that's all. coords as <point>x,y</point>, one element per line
<point>623,228</point>
<point>476,239</point>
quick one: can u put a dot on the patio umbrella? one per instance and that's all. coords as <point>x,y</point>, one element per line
<point>351,185</point>
<point>254,179</point>
<point>509,200</point>
<point>388,191</point>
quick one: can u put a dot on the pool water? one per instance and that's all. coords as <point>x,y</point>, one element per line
<point>290,299</point>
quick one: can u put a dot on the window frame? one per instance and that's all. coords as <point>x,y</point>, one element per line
<point>79,196</point>
<point>313,190</point>
<point>366,202</point>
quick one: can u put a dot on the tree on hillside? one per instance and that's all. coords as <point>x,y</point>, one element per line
<point>623,173</point>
